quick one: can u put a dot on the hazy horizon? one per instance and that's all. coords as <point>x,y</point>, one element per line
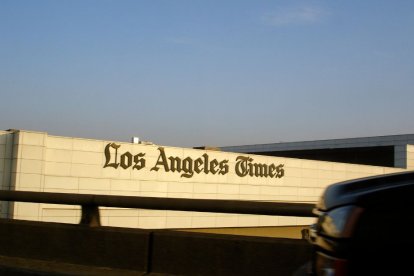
<point>215,73</point>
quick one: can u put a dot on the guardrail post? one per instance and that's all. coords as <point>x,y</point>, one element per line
<point>90,216</point>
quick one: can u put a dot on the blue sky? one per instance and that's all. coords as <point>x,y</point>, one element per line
<point>190,73</point>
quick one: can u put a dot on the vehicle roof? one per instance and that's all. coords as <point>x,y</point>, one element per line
<point>389,190</point>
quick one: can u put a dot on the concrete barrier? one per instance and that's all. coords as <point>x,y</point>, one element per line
<point>40,248</point>
<point>181,253</point>
<point>119,248</point>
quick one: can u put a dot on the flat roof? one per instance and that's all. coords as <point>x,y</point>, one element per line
<point>375,141</point>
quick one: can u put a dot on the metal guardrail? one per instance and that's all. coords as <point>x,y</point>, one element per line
<point>91,203</point>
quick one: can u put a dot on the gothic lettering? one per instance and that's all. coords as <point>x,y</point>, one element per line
<point>213,164</point>
<point>139,161</point>
<point>245,166</point>
<point>126,160</point>
<point>108,147</point>
<point>241,165</point>
<point>224,167</point>
<point>280,171</point>
<point>162,160</point>
<point>197,164</point>
<point>187,166</point>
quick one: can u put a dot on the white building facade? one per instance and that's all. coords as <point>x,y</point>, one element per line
<point>36,161</point>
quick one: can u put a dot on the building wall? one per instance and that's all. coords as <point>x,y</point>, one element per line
<point>6,161</point>
<point>388,151</point>
<point>74,165</point>
<point>410,157</point>
<point>404,156</point>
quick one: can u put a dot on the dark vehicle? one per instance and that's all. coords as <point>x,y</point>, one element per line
<point>365,227</point>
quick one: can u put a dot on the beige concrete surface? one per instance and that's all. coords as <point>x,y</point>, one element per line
<point>36,161</point>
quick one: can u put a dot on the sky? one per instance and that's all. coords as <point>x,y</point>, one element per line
<point>215,73</point>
